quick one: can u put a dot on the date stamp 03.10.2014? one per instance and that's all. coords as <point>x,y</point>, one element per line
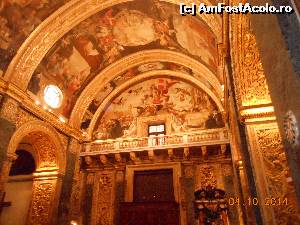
<point>253,201</point>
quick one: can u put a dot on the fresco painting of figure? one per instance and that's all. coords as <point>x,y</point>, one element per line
<point>111,34</point>
<point>192,109</point>
<point>121,79</point>
<point>18,18</point>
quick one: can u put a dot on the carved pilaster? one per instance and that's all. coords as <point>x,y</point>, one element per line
<point>77,184</point>
<point>103,198</point>
<point>9,110</point>
<point>249,78</point>
<point>44,202</point>
<point>273,175</point>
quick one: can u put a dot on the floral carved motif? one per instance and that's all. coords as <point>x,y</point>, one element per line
<point>9,110</point>
<point>276,173</point>
<point>291,128</point>
<point>46,150</point>
<point>250,81</point>
<point>206,177</point>
<point>254,90</point>
<point>103,200</point>
<point>24,117</point>
<point>41,203</point>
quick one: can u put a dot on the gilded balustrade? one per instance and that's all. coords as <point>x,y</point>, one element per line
<point>199,138</point>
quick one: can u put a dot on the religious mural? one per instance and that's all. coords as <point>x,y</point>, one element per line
<point>18,18</point>
<point>112,34</point>
<point>191,109</point>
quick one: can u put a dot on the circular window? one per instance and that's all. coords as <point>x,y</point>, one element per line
<point>53,96</point>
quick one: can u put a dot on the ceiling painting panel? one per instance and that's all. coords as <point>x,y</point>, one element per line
<point>17,20</point>
<point>190,108</point>
<point>117,32</point>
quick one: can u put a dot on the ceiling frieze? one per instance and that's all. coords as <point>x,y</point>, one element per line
<point>65,18</point>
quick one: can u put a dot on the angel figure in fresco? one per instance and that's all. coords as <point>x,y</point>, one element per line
<point>164,32</point>
<point>5,34</point>
<point>161,90</point>
<point>113,54</point>
<point>131,130</point>
<point>108,19</point>
<point>31,21</point>
<point>74,85</point>
<point>56,66</point>
<point>105,38</point>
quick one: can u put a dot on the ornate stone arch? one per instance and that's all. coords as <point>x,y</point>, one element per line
<point>46,142</point>
<point>51,163</point>
<point>119,67</point>
<point>149,75</point>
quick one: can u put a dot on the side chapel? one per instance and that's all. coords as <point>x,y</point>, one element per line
<point>117,112</point>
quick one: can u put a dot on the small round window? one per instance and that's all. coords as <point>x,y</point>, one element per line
<point>53,96</point>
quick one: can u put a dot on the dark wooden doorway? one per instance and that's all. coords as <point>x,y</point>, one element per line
<point>153,200</point>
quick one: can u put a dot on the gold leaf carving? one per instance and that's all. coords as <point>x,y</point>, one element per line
<point>277,172</point>
<point>249,77</point>
<point>41,203</point>
<point>103,200</point>
<point>9,110</point>
<point>46,150</point>
<point>206,177</point>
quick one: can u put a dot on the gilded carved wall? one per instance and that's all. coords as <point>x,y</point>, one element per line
<point>43,201</point>
<point>103,198</point>
<point>250,82</point>
<point>273,175</point>
<point>194,176</point>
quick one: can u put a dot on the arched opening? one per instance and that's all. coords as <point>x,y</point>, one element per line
<point>18,189</point>
<point>33,175</point>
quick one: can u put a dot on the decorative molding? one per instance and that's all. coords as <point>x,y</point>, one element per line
<point>250,83</point>
<point>227,169</point>
<point>206,177</point>
<point>19,102</point>
<point>47,144</point>
<point>76,195</point>
<point>9,110</point>
<point>42,202</point>
<point>272,173</point>
<point>199,138</point>
<point>291,129</point>
<point>103,198</point>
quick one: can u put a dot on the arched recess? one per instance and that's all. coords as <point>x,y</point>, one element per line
<point>50,167</point>
<point>119,67</point>
<point>149,75</point>
<point>68,16</point>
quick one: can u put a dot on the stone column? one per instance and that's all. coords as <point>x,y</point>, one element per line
<point>45,198</point>
<point>8,111</point>
<point>64,207</point>
<point>188,189</point>
<point>89,178</point>
<point>103,203</point>
<point>120,191</point>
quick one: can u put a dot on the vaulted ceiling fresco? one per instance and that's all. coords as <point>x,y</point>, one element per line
<point>189,108</point>
<point>112,34</point>
<point>17,20</point>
